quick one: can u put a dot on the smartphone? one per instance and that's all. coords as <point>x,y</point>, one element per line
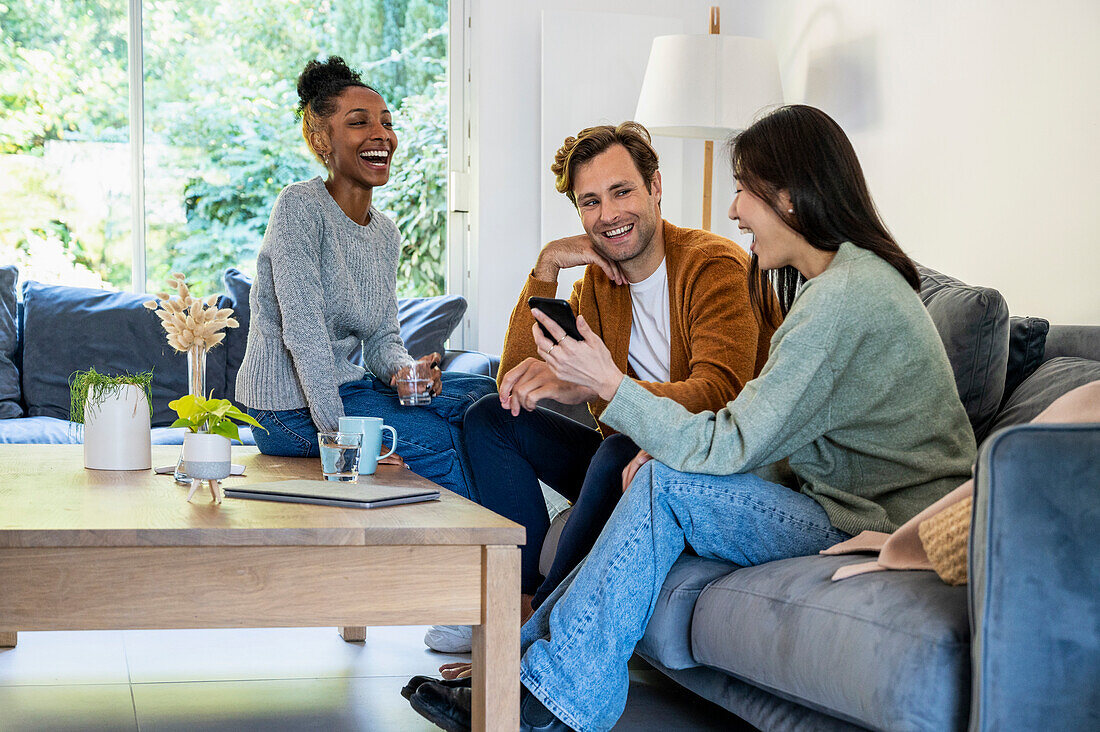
<point>558,311</point>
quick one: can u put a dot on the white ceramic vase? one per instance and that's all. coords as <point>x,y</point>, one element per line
<point>116,430</point>
<point>206,456</point>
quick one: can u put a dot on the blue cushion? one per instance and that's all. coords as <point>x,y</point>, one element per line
<point>427,322</point>
<point>68,329</point>
<point>53,431</point>
<point>973,325</point>
<point>1034,584</point>
<point>888,650</point>
<point>9,340</point>
<point>239,287</point>
<point>40,431</point>
<point>667,638</point>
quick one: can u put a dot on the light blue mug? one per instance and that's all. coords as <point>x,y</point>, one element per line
<point>371,427</point>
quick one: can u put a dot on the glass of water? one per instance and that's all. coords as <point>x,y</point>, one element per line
<point>414,384</point>
<point>340,453</point>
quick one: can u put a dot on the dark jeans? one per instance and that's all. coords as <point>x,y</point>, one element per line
<point>510,455</point>
<point>429,438</point>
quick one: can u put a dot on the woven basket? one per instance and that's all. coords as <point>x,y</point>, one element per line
<point>945,537</point>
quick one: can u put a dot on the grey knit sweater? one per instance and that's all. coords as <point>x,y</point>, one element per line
<point>325,286</point>
<point>857,393</point>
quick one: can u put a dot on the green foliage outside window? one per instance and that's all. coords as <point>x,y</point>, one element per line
<point>221,136</point>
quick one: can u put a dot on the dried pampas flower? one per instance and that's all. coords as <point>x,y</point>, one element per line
<point>190,321</point>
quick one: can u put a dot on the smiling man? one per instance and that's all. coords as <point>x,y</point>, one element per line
<point>672,305</point>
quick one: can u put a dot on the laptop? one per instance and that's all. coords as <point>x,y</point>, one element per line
<point>332,493</point>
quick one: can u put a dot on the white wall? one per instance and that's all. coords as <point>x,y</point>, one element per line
<point>977,126</point>
<point>976,122</point>
<point>506,48</point>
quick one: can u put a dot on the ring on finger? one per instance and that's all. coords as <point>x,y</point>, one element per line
<point>551,349</point>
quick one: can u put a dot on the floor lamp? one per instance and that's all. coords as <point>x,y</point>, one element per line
<point>706,87</point>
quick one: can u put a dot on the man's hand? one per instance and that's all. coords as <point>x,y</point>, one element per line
<point>574,251</point>
<point>532,381</point>
<point>631,468</point>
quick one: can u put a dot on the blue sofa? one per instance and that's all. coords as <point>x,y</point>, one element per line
<point>49,331</point>
<point>784,648</point>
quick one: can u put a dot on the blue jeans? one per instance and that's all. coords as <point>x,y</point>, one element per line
<point>577,644</point>
<point>429,438</point>
<point>510,455</point>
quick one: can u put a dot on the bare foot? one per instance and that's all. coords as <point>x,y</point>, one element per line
<point>461,670</point>
<point>451,671</point>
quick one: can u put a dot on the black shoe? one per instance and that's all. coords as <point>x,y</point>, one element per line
<point>444,706</point>
<point>451,709</point>
<point>417,681</point>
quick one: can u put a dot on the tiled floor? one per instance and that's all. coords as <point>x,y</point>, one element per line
<point>281,679</point>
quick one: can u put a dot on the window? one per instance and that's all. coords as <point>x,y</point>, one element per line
<point>218,134</point>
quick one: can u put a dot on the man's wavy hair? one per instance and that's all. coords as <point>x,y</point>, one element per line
<point>593,141</point>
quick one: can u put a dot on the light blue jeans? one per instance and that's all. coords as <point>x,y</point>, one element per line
<point>577,644</point>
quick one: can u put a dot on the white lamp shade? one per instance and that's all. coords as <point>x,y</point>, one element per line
<point>707,86</point>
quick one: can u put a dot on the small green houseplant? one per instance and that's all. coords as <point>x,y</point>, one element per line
<point>210,416</point>
<point>211,424</point>
<point>116,412</point>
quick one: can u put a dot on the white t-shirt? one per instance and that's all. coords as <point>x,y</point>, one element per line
<point>649,351</point>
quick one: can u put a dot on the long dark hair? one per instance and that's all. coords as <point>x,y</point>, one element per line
<point>803,151</point>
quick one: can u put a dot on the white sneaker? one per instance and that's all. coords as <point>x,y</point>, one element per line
<point>450,638</point>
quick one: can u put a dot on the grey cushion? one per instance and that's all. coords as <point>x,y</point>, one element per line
<point>973,324</point>
<point>1050,381</point>
<point>667,638</point>
<point>1082,341</point>
<point>888,650</point>
<point>761,709</point>
<point>68,329</point>
<point>1027,340</point>
<point>9,340</point>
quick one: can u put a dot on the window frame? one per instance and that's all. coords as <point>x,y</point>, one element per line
<point>459,269</point>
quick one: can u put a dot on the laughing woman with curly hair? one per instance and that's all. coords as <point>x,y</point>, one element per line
<point>326,287</point>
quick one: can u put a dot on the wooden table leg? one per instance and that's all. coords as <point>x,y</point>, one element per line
<point>8,639</point>
<point>353,633</point>
<point>496,643</point>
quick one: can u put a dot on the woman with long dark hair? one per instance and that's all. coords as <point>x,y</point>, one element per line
<point>857,398</point>
<point>325,289</point>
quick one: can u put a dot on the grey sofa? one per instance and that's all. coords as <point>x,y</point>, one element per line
<point>49,331</point>
<point>785,648</point>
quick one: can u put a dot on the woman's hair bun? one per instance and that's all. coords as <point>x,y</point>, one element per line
<point>320,81</point>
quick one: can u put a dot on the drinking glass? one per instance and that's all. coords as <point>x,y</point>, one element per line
<point>414,384</point>
<point>340,453</point>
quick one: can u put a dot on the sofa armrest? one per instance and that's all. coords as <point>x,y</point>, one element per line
<point>1035,579</point>
<point>471,362</point>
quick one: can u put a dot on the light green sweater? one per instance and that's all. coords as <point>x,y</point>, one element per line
<point>857,394</point>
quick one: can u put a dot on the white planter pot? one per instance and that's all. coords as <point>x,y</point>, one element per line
<point>206,457</point>
<point>116,431</point>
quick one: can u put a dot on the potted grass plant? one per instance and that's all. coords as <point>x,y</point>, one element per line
<point>116,412</point>
<point>211,424</point>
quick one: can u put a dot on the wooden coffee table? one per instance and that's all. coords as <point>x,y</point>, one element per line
<point>97,550</point>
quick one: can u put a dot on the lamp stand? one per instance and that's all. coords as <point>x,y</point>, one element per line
<point>708,146</point>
